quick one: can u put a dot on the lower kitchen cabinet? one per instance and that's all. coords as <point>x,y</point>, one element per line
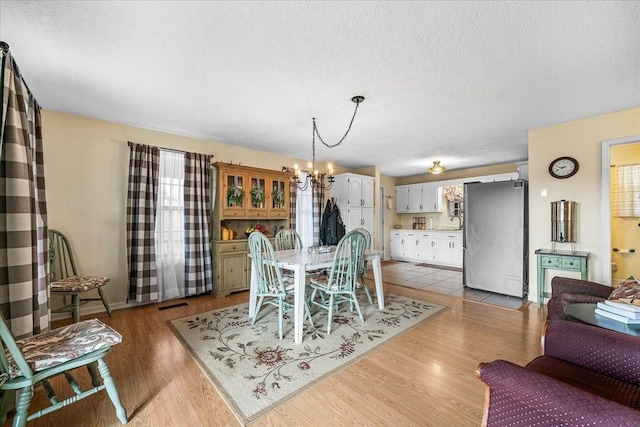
<point>432,246</point>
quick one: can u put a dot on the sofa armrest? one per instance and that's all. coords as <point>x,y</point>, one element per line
<point>539,393</point>
<point>566,285</point>
<point>610,353</point>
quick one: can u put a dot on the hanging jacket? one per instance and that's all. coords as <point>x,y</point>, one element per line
<point>332,228</point>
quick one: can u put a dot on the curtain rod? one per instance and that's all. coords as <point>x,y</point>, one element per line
<point>130,143</point>
<point>4,46</point>
<point>627,164</point>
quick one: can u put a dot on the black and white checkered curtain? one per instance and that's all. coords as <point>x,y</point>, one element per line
<point>24,246</point>
<point>293,194</point>
<point>142,199</point>
<point>197,209</point>
<point>318,205</point>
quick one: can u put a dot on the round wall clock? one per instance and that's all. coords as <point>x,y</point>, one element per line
<point>563,167</point>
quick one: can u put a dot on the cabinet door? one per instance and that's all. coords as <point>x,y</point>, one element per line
<point>278,198</point>
<point>426,247</point>
<point>397,241</point>
<point>411,245</point>
<point>368,192</point>
<point>367,220</point>
<point>402,199</point>
<point>353,218</point>
<point>456,252</point>
<point>257,197</point>
<point>355,192</point>
<point>340,192</point>
<point>443,252</point>
<point>234,194</point>
<point>415,199</point>
<point>234,271</point>
<point>431,198</point>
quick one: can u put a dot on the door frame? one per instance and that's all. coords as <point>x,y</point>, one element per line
<point>605,203</point>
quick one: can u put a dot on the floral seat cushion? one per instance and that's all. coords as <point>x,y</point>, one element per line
<point>61,345</point>
<point>323,280</point>
<point>78,283</point>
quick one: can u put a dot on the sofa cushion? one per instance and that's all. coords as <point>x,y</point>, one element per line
<point>601,385</point>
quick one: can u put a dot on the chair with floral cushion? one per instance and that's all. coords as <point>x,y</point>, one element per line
<point>32,361</point>
<point>273,287</point>
<point>288,239</point>
<point>341,283</point>
<point>66,281</point>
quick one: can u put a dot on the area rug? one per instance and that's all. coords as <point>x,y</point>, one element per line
<point>255,371</point>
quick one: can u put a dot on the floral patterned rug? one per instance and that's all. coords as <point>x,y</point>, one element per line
<point>255,371</point>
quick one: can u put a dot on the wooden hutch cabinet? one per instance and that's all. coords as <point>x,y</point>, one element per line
<point>246,196</point>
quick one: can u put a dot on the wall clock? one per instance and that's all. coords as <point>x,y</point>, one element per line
<point>563,167</point>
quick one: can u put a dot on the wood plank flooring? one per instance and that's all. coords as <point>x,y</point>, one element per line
<point>425,377</point>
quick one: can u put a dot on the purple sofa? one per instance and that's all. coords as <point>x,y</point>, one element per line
<point>565,291</point>
<point>586,376</point>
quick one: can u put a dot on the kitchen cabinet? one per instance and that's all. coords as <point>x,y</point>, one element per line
<point>354,195</point>
<point>231,267</point>
<point>433,246</point>
<point>448,249</point>
<point>252,193</point>
<point>402,199</point>
<point>396,241</point>
<point>419,198</point>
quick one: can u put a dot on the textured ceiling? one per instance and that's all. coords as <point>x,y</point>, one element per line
<point>460,82</point>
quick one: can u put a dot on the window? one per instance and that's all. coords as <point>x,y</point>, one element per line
<point>170,226</point>
<point>304,216</point>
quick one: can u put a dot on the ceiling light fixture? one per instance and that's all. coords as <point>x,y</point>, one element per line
<point>314,177</point>
<point>437,168</point>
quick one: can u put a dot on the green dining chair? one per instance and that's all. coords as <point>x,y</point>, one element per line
<point>287,239</point>
<point>65,280</point>
<point>273,287</point>
<point>31,362</point>
<point>340,285</point>
<point>362,270</point>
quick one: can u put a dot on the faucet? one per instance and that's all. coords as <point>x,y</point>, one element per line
<point>459,219</point>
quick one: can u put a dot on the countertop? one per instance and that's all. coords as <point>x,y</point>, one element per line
<point>442,230</point>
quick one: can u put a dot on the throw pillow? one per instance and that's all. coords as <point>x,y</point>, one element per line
<point>630,288</point>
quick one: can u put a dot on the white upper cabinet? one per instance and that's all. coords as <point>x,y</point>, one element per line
<point>419,198</point>
<point>402,199</point>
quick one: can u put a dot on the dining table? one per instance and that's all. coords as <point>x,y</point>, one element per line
<point>302,261</point>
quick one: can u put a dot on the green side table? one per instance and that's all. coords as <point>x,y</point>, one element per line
<point>559,260</point>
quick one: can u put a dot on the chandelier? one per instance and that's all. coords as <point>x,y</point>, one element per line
<point>437,168</point>
<point>314,178</point>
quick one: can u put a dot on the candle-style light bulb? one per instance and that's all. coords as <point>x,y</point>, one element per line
<point>330,167</point>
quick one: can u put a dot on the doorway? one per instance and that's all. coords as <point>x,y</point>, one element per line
<point>621,259</point>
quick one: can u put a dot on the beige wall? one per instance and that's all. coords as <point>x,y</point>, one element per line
<point>86,167</point>
<point>625,233</point>
<point>581,139</point>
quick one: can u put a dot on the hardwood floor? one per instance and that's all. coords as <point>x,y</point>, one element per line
<point>425,377</point>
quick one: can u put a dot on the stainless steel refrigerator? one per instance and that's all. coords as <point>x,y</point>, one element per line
<point>496,230</point>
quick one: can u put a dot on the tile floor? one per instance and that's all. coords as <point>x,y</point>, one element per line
<point>443,282</point>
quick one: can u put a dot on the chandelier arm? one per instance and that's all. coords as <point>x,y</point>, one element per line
<point>315,127</point>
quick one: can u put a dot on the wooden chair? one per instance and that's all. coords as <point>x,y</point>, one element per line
<point>29,362</point>
<point>65,280</point>
<point>288,239</point>
<point>362,271</point>
<point>340,285</point>
<point>273,287</point>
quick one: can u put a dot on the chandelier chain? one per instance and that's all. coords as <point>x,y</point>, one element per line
<point>357,100</point>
